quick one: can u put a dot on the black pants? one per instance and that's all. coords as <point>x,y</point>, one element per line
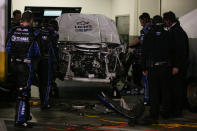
<point>128,63</point>
<point>23,79</point>
<point>137,74</point>
<point>159,89</point>
<point>54,89</point>
<point>186,104</point>
<point>43,81</point>
<point>179,91</point>
<point>137,69</point>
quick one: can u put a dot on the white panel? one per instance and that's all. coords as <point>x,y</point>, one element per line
<point>189,23</point>
<point>2,24</point>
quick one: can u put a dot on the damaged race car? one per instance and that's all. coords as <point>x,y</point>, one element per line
<point>89,47</point>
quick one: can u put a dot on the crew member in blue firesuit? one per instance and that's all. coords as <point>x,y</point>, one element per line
<point>53,25</point>
<point>47,43</point>
<point>23,48</point>
<point>137,43</point>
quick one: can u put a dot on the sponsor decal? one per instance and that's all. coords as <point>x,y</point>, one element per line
<point>44,37</point>
<point>20,29</point>
<point>23,109</point>
<point>21,33</point>
<point>19,39</point>
<point>158,33</point>
<point>83,26</point>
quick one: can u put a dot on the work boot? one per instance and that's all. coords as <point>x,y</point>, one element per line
<point>23,125</point>
<point>29,118</point>
<point>46,107</point>
<point>147,121</point>
<point>165,115</point>
<point>177,114</point>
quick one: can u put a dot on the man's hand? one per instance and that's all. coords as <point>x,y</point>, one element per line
<point>175,70</point>
<point>132,44</point>
<point>145,73</point>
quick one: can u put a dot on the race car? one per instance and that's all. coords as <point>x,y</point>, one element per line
<point>89,47</point>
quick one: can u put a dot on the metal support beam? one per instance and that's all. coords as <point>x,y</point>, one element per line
<point>160,3</point>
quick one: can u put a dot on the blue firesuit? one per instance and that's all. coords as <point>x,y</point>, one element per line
<point>23,48</point>
<point>47,39</point>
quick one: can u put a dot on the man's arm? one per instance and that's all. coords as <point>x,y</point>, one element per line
<point>34,50</point>
<point>135,42</point>
<point>145,44</point>
<point>8,42</point>
<point>180,50</point>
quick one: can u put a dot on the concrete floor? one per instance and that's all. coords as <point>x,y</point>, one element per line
<point>62,117</point>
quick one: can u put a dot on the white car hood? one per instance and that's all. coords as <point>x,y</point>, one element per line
<point>87,28</point>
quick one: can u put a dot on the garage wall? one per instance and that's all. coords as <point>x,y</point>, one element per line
<point>150,6</point>
<point>113,8</point>
<point>88,6</point>
<point>180,7</point>
<point>135,8</point>
<point>126,7</point>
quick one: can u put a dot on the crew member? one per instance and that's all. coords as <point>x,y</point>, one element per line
<point>180,44</point>
<point>53,25</point>
<point>15,21</point>
<point>137,43</point>
<point>23,48</point>
<point>156,57</point>
<point>47,42</point>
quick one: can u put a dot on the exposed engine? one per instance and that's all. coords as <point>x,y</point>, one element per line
<point>86,65</point>
<point>98,61</point>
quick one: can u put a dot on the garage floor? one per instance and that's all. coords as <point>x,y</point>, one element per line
<point>62,117</point>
